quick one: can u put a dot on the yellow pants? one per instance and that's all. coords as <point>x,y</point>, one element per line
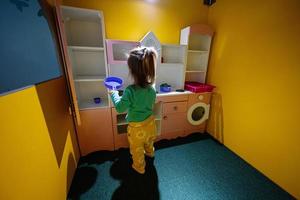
<point>141,136</point>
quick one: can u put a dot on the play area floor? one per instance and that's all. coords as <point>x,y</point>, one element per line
<point>192,168</point>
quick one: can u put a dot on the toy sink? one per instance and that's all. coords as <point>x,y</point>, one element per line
<point>113,82</point>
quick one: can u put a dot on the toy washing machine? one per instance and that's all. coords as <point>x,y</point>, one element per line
<point>197,112</point>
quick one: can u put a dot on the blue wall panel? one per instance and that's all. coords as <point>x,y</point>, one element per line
<point>28,54</point>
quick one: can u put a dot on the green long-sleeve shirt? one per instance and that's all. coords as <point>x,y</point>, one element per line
<point>137,101</point>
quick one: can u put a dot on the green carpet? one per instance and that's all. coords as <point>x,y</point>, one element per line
<point>191,168</point>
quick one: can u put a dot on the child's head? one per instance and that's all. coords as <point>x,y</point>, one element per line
<point>141,64</point>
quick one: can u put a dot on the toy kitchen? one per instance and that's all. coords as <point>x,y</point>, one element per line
<point>183,99</point>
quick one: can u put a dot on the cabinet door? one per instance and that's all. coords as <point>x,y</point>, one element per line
<point>173,125</point>
<point>67,63</point>
<point>119,129</point>
<point>95,133</point>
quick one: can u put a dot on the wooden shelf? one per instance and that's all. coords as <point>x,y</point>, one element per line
<point>84,27</point>
<point>198,37</point>
<point>122,122</point>
<point>90,104</point>
<point>173,53</point>
<point>195,71</point>
<point>89,78</point>
<point>171,64</point>
<point>197,51</point>
<point>84,48</point>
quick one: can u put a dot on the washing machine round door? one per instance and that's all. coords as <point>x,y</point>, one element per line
<point>198,113</point>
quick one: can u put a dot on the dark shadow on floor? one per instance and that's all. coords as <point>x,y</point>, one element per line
<point>71,171</point>
<point>134,186</point>
<point>84,179</point>
<point>98,157</point>
<point>183,140</point>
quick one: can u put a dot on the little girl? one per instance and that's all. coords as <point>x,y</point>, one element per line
<point>138,100</point>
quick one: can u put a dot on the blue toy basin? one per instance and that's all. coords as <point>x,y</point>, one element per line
<point>113,82</point>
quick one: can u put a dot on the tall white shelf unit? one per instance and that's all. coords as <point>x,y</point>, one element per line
<point>82,38</point>
<point>85,35</point>
<point>198,38</point>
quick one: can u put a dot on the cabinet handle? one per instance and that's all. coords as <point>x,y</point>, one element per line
<point>175,107</point>
<point>165,117</point>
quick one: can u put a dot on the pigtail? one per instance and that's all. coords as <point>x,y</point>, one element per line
<point>141,62</point>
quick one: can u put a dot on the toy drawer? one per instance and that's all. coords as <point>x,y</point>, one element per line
<point>174,107</point>
<point>171,98</point>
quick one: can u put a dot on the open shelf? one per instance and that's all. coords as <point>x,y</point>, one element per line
<point>83,26</point>
<point>86,92</point>
<point>89,78</point>
<point>122,128</point>
<point>196,51</point>
<point>198,37</point>
<point>194,71</point>
<point>197,60</point>
<point>90,104</point>
<point>87,61</point>
<point>85,35</point>
<point>173,54</point>
<point>171,73</point>
<point>85,48</point>
<point>198,76</point>
<point>121,119</point>
<point>199,42</point>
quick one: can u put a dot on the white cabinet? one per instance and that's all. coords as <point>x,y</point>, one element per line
<point>82,42</point>
<point>85,36</point>
<point>198,37</point>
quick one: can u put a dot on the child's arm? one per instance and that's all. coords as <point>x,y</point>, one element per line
<point>121,103</point>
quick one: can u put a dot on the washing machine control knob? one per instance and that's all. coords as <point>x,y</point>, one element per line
<point>200,97</point>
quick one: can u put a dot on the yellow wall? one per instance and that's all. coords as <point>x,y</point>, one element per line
<point>38,148</point>
<point>132,19</point>
<point>255,64</point>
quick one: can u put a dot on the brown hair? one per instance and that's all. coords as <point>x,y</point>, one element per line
<point>141,63</point>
